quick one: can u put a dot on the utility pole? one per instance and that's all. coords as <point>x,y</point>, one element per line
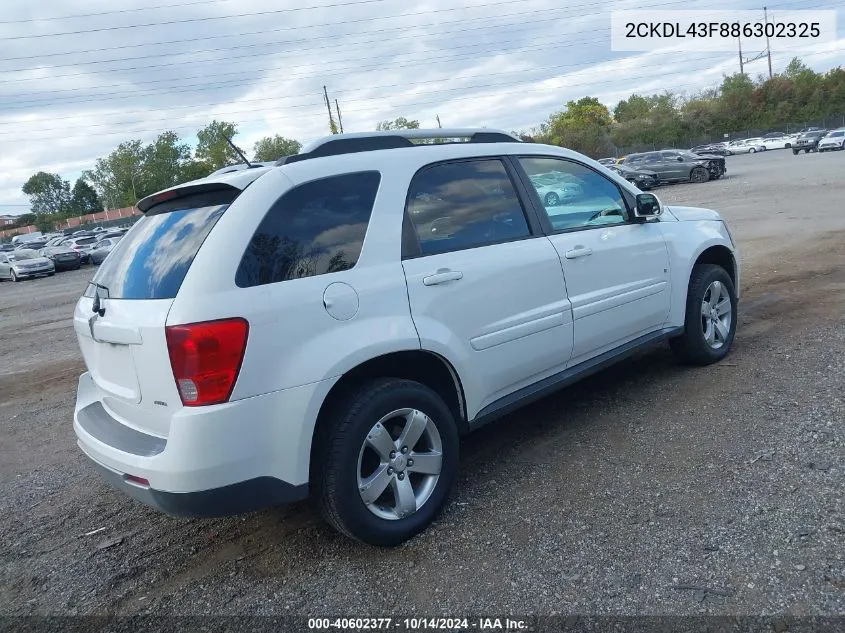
<point>768,47</point>
<point>339,120</point>
<point>741,69</point>
<point>332,126</point>
<point>437,116</point>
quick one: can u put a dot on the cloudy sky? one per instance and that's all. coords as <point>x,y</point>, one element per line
<point>78,77</point>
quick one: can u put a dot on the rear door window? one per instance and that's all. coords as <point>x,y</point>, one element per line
<point>314,229</point>
<point>465,204</point>
<point>152,259</point>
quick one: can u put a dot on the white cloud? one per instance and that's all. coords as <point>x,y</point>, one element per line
<point>498,63</point>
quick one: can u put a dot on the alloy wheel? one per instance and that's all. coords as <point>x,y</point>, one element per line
<point>399,464</point>
<point>716,315</point>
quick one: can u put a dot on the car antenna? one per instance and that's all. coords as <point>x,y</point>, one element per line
<point>239,152</point>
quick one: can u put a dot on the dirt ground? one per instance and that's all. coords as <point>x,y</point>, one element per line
<point>649,488</point>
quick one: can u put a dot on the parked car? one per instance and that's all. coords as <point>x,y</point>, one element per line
<point>747,146</point>
<point>23,263</point>
<point>776,142</point>
<point>63,258</point>
<point>554,188</point>
<point>32,245</point>
<point>26,237</point>
<point>99,250</point>
<point>7,247</point>
<point>808,141</point>
<point>79,243</point>
<point>246,346</point>
<point>834,141</point>
<point>717,149</point>
<point>110,233</point>
<point>607,161</point>
<point>643,179</point>
<point>678,165</point>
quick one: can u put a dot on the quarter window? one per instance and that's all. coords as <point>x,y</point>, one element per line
<point>573,195</point>
<point>313,229</point>
<point>466,204</point>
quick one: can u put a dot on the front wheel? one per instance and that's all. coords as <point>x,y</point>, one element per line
<point>388,461</point>
<point>15,276</point>
<point>752,150</point>
<point>699,174</point>
<point>710,322</point>
<point>552,199</point>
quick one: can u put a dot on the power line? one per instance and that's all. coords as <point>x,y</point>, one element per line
<point>115,11</point>
<point>245,80</point>
<point>289,105</point>
<point>332,37</point>
<point>205,85</point>
<point>347,110</point>
<point>275,99</point>
<point>248,79</point>
<point>248,15</point>
<point>262,45</point>
<point>240,35</point>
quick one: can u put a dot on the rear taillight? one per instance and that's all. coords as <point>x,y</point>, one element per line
<point>206,358</point>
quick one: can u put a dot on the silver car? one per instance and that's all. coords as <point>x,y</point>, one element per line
<point>99,250</point>
<point>22,263</point>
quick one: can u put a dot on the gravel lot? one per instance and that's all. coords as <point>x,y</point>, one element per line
<point>649,488</point>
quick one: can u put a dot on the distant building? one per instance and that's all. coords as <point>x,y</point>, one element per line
<point>6,220</point>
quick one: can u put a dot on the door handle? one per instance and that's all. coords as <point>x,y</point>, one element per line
<point>578,251</point>
<point>442,276</point>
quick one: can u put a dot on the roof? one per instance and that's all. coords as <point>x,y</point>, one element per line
<point>338,146</point>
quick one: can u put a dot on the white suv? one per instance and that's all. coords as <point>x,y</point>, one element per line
<point>332,325</point>
<point>834,141</point>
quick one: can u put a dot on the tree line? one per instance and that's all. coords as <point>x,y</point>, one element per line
<point>798,96</point>
<point>134,169</point>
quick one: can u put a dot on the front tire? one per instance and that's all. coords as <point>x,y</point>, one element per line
<point>710,322</point>
<point>699,174</point>
<point>388,461</point>
<point>15,277</point>
<point>752,150</point>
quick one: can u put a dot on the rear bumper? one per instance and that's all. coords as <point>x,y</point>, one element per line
<point>67,265</point>
<point>218,460</point>
<point>245,496</point>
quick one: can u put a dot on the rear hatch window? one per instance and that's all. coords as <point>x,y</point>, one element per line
<point>152,259</point>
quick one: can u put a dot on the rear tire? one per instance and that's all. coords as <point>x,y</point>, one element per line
<point>351,457</point>
<point>752,150</point>
<point>795,152</point>
<point>711,296</point>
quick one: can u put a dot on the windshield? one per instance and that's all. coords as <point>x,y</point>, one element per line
<point>837,133</point>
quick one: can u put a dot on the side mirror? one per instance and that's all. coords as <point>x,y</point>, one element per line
<point>648,206</point>
<point>680,159</point>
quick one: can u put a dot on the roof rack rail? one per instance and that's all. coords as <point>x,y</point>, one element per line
<point>370,141</point>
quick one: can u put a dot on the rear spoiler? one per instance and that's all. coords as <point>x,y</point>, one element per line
<point>169,195</point>
<point>232,183</point>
